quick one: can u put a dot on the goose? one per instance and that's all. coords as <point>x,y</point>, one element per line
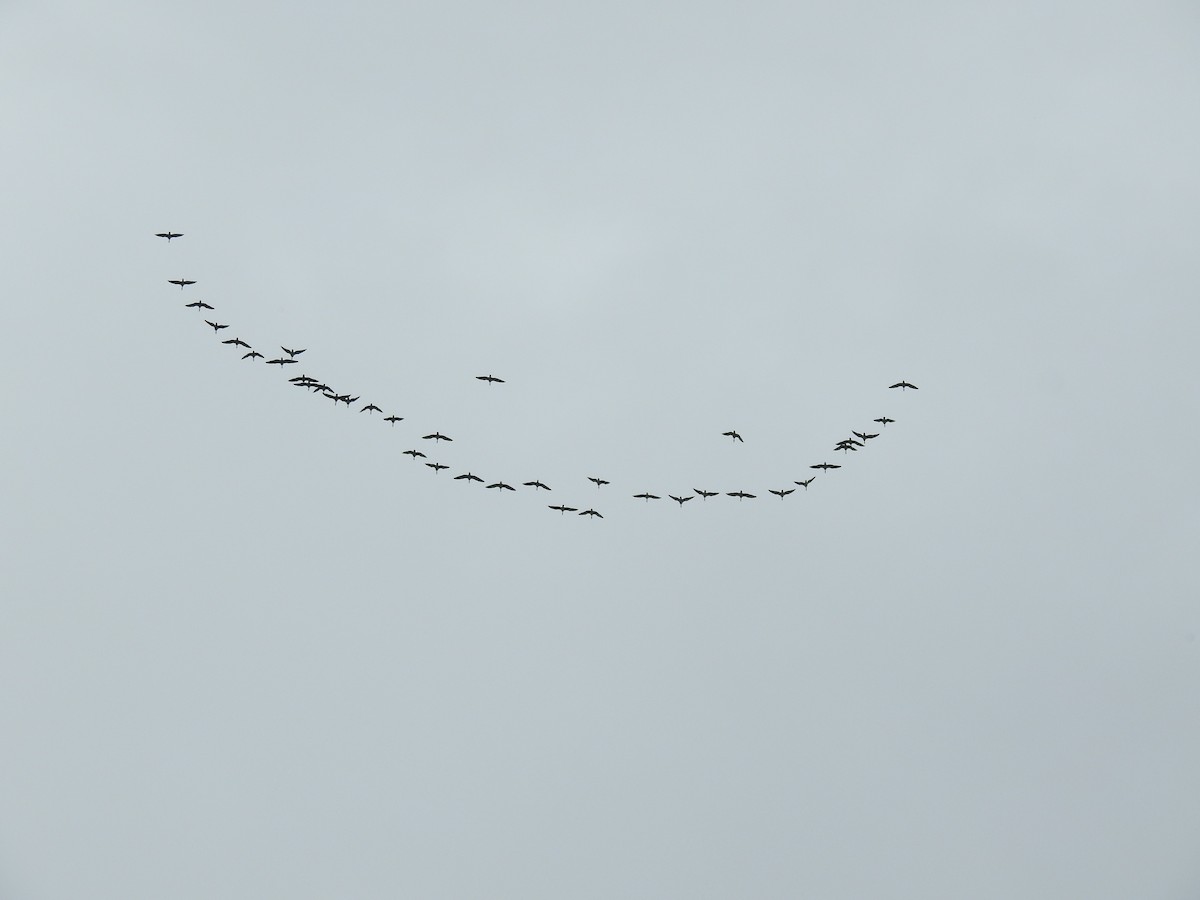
<point>414,453</point>
<point>437,467</point>
<point>864,437</point>
<point>591,512</point>
<point>214,325</point>
<point>825,466</point>
<point>903,385</point>
<point>291,353</point>
<point>169,235</point>
<point>252,354</point>
<point>732,434</point>
<point>537,485</point>
<point>884,420</point>
<point>237,342</point>
<point>706,494</point>
<point>281,361</point>
<point>781,493</point>
<point>182,282</point>
<point>393,419</point>
<point>502,486</point>
<point>563,509</point>
<point>597,481</point>
<point>740,494</point>
<point>805,484</point>
<point>371,408</point>
<point>490,379</point>
<point>680,500</point>
<point>468,476</point>
<point>436,436</point>
<point>197,304</point>
<point>647,497</point>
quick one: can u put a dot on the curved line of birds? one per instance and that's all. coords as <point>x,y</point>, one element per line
<point>857,440</point>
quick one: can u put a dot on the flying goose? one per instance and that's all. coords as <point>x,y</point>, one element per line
<point>413,453</point>
<point>215,326</point>
<point>740,494</point>
<point>884,420</point>
<point>805,484</point>
<point>197,304</point>
<point>597,481</point>
<point>564,509</point>
<point>781,493</point>
<point>182,282</point>
<point>680,500</point>
<point>393,419</point>
<point>591,512</point>
<point>468,476</point>
<point>169,235</point>
<point>291,353</point>
<point>490,379</point>
<point>537,485</point>
<point>502,486</point>
<point>903,385</point>
<point>732,434</point>
<point>706,494</point>
<point>237,342</point>
<point>647,497</point>
<point>437,467</point>
<point>436,436</point>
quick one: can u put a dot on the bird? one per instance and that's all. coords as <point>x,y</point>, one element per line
<point>214,325</point>
<point>182,282</point>
<point>706,494</point>
<point>437,467</point>
<point>740,494</point>
<point>198,304</point>
<point>414,453</point>
<point>563,509</point>
<point>732,434</point>
<point>903,385</point>
<point>781,493</point>
<point>502,486</point>
<point>371,408</point>
<point>647,497</point>
<point>252,354</point>
<point>825,466</point>
<point>537,485</point>
<point>393,419</point>
<point>883,420</point>
<point>597,481</point>
<point>489,379</point>
<point>591,512</point>
<point>436,436</point>
<point>169,235</point>
<point>237,342</point>
<point>805,484</point>
<point>291,353</point>
<point>468,476</point>
<point>281,362</point>
<point>305,379</point>
<point>680,500</point>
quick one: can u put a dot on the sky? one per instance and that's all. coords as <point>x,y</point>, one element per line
<point>248,648</point>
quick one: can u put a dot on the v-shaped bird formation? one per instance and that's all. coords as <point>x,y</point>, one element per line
<point>855,442</point>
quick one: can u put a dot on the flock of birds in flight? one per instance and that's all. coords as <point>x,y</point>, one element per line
<point>852,444</point>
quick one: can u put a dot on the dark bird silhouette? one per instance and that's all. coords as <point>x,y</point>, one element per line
<point>706,494</point>
<point>740,494</point>
<point>393,419</point>
<point>825,466</point>
<point>597,481</point>
<point>591,512</point>
<point>680,500</point>
<point>198,304</point>
<point>182,282</point>
<point>903,385</point>
<point>647,497</point>
<point>414,453</point>
<point>281,361</point>
<point>214,325</point>
<point>502,486</point>
<point>490,379</point>
<point>305,379</point>
<point>564,509</point>
<point>237,342</point>
<point>436,436</point>
<point>884,420</point>
<point>805,484</point>
<point>732,434</point>
<point>291,353</point>
<point>169,235</point>
<point>468,476</point>
<point>537,485</point>
<point>252,354</point>
<point>781,493</point>
<point>371,408</point>
<point>437,467</point>
<point>345,398</point>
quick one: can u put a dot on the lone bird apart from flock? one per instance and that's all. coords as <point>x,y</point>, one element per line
<point>490,379</point>
<point>903,385</point>
<point>169,235</point>
<point>732,434</point>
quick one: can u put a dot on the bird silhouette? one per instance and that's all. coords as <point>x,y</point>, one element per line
<point>864,437</point>
<point>825,466</point>
<point>502,486</point>
<point>564,509</point>
<point>591,512</point>
<point>237,342</point>
<point>169,235</point>
<point>490,379</point>
<point>436,436</point>
<point>884,420</point>
<point>182,282</point>
<point>740,495</point>
<point>647,497</point>
<point>437,467</point>
<point>413,453</point>
<point>805,484</point>
<point>597,481</point>
<point>291,353</point>
<point>393,419</point>
<point>903,385</point>
<point>537,485</point>
<point>198,304</point>
<point>680,500</point>
<point>214,325</point>
<point>281,361</point>
<point>371,408</point>
<point>781,493</point>
<point>468,476</point>
<point>706,494</point>
<point>732,434</point>
<point>252,354</point>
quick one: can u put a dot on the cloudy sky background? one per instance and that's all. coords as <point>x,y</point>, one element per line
<point>249,649</point>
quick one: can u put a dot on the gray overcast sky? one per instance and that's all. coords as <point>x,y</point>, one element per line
<point>248,649</point>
